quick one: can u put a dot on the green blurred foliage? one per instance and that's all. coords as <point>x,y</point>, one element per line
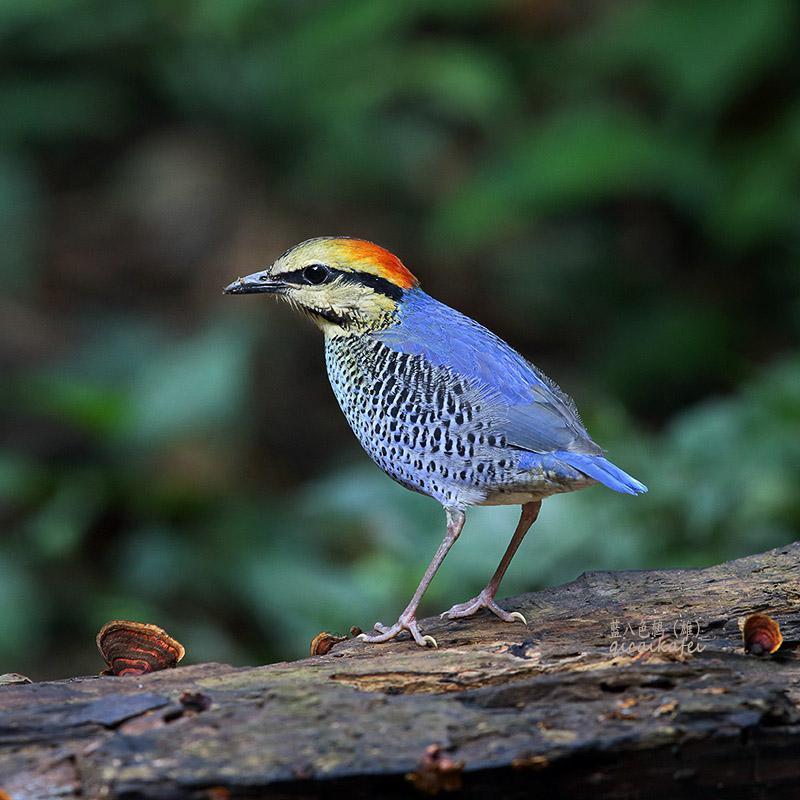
<point>611,186</point>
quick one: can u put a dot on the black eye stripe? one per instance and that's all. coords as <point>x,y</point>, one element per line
<point>299,277</point>
<point>374,282</point>
<point>313,274</point>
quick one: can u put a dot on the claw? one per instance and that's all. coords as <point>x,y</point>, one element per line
<point>386,632</point>
<point>483,600</point>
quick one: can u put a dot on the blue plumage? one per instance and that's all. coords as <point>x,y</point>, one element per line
<point>602,470</point>
<point>534,417</point>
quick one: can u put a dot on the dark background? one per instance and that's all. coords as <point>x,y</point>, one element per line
<point>611,186</point>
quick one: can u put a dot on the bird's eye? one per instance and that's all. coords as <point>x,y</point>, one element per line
<point>316,274</point>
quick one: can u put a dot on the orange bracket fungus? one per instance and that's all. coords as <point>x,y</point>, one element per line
<point>136,648</point>
<point>761,634</point>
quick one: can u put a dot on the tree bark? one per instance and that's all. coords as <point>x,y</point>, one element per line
<point>622,685</point>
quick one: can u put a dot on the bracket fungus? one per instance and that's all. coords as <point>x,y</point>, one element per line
<point>323,642</point>
<point>762,634</point>
<point>136,648</point>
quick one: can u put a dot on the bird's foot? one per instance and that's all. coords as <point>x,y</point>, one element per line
<point>483,600</point>
<point>405,623</point>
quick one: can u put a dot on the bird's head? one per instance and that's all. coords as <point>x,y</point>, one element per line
<point>345,285</point>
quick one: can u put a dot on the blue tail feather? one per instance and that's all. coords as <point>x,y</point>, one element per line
<point>602,470</point>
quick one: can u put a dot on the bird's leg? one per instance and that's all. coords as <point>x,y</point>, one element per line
<point>407,620</point>
<point>486,598</point>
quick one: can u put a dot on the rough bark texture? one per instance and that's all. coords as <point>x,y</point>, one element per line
<point>557,708</point>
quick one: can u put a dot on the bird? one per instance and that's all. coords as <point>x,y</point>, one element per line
<point>440,403</point>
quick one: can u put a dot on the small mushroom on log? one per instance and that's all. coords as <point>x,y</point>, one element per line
<point>436,772</point>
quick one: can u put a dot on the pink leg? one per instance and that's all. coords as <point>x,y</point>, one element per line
<point>407,620</point>
<point>486,598</point>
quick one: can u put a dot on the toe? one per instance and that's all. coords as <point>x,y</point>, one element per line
<point>506,616</point>
<point>462,610</point>
<point>413,628</point>
<point>372,639</point>
<point>483,601</point>
<point>385,633</point>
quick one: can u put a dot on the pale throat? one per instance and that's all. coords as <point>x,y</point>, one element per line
<point>365,314</point>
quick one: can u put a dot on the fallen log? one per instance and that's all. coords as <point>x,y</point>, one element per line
<point>622,685</point>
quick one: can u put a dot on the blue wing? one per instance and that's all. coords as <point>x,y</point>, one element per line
<point>532,412</point>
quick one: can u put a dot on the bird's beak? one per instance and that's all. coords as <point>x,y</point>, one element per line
<point>257,282</point>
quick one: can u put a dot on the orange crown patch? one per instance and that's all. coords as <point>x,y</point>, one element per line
<point>376,260</point>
